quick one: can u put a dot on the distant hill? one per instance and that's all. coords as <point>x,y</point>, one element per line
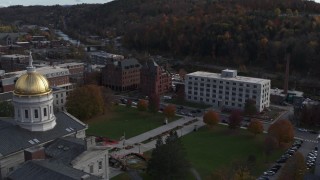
<point>227,32</point>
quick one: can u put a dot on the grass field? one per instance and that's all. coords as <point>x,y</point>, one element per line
<point>208,150</point>
<point>128,120</point>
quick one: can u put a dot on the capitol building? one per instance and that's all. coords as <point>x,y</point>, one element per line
<point>36,142</point>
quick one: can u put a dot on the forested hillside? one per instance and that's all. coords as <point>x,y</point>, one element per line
<point>228,32</point>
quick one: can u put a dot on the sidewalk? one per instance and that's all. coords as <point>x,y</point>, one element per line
<point>151,145</point>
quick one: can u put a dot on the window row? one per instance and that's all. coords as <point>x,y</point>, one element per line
<point>36,113</point>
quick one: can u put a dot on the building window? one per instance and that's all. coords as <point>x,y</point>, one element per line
<point>61,100</point>
<point>26,114</point>
<point>44,111</point>
<point>100,165</point>
<point>57,102</point>
<point>91,168</point>
<point>36,113</point>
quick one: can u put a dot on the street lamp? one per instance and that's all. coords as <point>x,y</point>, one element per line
<point>139,144</point>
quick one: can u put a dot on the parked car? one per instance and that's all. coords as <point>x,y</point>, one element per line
<point>313,132</point>
<point>180,107</point>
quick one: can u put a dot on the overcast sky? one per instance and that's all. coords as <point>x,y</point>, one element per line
<point>48,2</point>
<point>54,2</point>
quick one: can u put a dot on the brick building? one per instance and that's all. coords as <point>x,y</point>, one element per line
<point>14,62</point>
<point>154,79</point>
<point>76,71</point>
<point>56,76</point>
<point>122,75</point>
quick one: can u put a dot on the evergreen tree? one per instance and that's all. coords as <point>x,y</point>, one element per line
<point>168,160</point>
<point>6,109</point>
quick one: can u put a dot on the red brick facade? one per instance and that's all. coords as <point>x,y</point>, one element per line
<point>122,76</point>
<point>154,80</point>
<point>57,81</point>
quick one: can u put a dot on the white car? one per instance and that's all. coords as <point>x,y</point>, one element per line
<point>303,130</point>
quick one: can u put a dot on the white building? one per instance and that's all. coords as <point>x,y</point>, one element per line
<point>59,98</point>
<point>103,58</point>
<point>227,89</point>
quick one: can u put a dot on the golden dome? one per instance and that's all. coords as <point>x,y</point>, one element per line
<point>32,83</point>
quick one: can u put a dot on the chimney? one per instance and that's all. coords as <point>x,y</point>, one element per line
<point>286,78</point>
<point>34,153</point>
<point>90,142</point>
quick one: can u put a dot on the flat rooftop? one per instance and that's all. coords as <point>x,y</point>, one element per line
<point>237,78</point>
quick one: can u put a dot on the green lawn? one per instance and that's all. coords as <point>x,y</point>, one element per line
<point>208,150</point>
<point>126,120</point>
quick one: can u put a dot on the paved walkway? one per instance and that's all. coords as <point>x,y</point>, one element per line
<point>186,129</point>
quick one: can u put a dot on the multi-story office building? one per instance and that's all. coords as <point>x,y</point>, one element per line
<point>122,75</point>
<point>227,89</point>
<point>154,79</point>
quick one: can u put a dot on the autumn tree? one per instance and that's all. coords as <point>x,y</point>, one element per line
<point>211,118</point>
<point>243,174</point>
<point>92,78</point>
<point>108,96</point>
<point>236,171</point>
<point>168,160</point>
<point>129,103</point>
<point>142,105</point>
<point>255,127</point>
<point>295,168</point>
<point>250,107</point>
<point>85,102</point>
<point>235,119</point>
<point>170,111</point>
<point>6,109</point>
<point>182,73</point>
<point>154,103</point>
<point>282,130</point>
<point>277,12</point>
